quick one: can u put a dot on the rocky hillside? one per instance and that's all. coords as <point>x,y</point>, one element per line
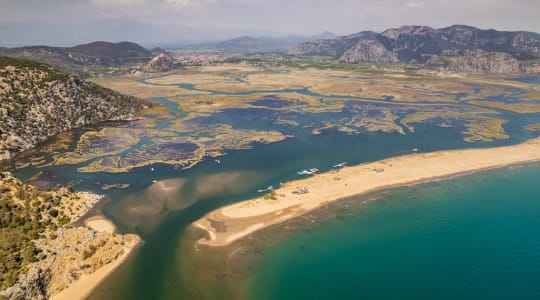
<point>456,47</point>
<point>93,57</point>
<point>38,101</point>
<point>40,252</point>
<point>482,61</point>
<point>160,63</point>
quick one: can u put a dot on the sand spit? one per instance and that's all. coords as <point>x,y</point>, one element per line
<point>233,222</point>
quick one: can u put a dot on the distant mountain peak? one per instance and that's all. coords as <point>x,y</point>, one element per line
<point>112,50</point>
<point>266,43</point>
<point>413,43</point>
<point>69,59</point>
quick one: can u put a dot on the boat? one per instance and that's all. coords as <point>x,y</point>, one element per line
<point>269,188</point>
<point>340,165</point>
<point>217,161</point>
<point>152,169</point>
<point>415,150</point>
<point>308,171</point>
<point>154,181</point>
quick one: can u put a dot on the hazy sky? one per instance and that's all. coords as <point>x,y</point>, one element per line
<point>283,16</point>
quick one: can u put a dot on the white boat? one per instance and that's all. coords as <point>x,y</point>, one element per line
<point>152,169</point>
<point>308,172</point>
<point>269,188</point>
<point>154,181</point>
<point>415,150</point>
<point>340,165</point>
<point>217,161</point>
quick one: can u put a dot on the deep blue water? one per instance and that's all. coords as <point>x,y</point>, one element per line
<point>473,237</point>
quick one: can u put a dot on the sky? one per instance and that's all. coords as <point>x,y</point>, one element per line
<point>50,18</point>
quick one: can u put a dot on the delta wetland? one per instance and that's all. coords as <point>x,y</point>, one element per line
<point>209,111</point>
<point>223,131</point>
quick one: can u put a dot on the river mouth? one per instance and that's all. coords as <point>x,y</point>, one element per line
<point>158,194</point>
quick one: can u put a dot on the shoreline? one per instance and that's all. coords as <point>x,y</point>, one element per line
<point>84,286</point>
<point>87,283</point>
<point>228,224</point>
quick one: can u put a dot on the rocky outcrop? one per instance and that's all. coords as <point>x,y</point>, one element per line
<point>513,52</point>
<point>31,285</point>
<point>368,50</point>
<point>161,63</point>
<point>39,101</point>
<point>331,47</point>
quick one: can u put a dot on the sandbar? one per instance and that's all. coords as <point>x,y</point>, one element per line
<point>230,223</point>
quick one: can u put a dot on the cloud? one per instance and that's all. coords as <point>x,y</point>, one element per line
<point>150,4</point>
<point>179,4</point>
<point>412,4</point>
<point>117,3</point>
<point>273,16</point>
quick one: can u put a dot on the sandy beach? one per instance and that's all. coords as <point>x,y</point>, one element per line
<point>100,223</point>
<point>233,222</point>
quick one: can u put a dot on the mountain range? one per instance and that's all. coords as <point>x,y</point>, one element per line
<point>263,43</point>
<point>457,47</point>
<point>75,60</point>
<point>147,34</point>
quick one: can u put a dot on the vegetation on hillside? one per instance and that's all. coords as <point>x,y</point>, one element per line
<point>39,101</point>
<point>25,215</point>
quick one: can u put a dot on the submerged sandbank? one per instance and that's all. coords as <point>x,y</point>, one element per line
<point>233,222</point>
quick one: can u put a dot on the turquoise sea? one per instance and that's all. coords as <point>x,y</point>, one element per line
<point>473,237</point>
